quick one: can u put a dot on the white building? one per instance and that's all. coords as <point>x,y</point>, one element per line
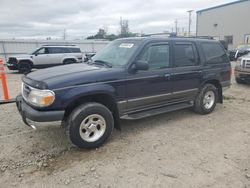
<point>229,22</point>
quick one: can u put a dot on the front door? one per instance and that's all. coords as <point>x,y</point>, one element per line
<point>152,87</point>
<point>41,57</point>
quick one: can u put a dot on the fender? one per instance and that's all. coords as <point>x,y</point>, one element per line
<point>25,58</point>
<point>216,82</point>
<point>87,90</point>
<point>69,57</point>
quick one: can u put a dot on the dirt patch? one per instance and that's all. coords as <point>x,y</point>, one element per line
<point>179,149</point>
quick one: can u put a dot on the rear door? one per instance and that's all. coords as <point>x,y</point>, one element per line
<point>217,64</point>
<point>56,55</point>
<point>187,71</point>
<point>152,87</point>
<point>76,53</point>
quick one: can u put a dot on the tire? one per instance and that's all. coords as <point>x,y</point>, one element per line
<point>90,125</point>
<point>69,61</point>
<point>206,100</point>
<point>24,68</point>
<point>239,81</point>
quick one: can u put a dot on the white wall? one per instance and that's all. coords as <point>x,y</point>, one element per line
<point>15,47</point>
<point>232,19</point>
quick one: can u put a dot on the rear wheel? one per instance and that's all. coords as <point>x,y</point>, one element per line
<point>69,61</point>
<point>206,100</point>
<point>24,68</point>
<point>90,125</point>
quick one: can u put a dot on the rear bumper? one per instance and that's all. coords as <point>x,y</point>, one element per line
<point>27,112</point>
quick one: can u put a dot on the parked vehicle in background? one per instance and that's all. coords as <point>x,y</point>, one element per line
<point>88,56</point>
<point>242,70</point>
<point>45,56</point>
<point>239,51</point>
<point>129,79</point>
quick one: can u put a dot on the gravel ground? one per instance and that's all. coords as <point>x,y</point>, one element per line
<point>179,149</point>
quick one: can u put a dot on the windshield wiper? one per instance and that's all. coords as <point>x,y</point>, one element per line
<point>101,62</point>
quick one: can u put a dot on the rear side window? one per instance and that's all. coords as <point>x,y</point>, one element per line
<point>185,54</point>
<point>75,50</point>
<point>58,50</point>
<point>214,53</point>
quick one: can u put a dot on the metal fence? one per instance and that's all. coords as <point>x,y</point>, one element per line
<point>16,47</point>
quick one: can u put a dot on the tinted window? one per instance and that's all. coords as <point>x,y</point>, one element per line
<point>58,50</point>
<point>157,56</point>
<point>214,53</point>
<point>184,55</point>
<point>65,50</point>
<point>75,50</point>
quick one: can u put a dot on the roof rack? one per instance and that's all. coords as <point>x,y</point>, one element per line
<point>173,35</point>
<point>59,45</point>
<point>194,37</point>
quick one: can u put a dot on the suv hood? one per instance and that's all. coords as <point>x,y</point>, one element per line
<point>70,75</point>
<point>22,56</point>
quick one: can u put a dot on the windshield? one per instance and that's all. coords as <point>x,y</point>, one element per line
<point>34,51</point>
<point>117,53</point>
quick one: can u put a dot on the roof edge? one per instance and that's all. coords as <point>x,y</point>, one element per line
<point>223,5</point>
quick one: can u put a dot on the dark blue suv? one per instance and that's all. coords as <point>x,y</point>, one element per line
<point>131,79</point>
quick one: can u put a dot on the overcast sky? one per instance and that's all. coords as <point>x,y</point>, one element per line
<point>81,18</point>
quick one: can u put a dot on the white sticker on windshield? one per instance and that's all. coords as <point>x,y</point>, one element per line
<point>126,45</point>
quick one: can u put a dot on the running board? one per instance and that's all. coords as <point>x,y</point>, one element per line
<point>7,101</point>
<point>156,111</point>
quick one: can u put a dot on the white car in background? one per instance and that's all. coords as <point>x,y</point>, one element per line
<point>45,56</point>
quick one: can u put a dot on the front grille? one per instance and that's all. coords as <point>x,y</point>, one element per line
<point>245,64</point>
<point>12,60</point>
<point>25,91</point>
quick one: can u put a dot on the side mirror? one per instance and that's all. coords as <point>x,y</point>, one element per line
<point>141,65</point>
<point>36,54</point>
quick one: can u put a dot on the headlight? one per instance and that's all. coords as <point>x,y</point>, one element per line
<point>41,98</point>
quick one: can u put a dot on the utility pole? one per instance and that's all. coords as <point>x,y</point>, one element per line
<point>64,34</point>
<point>189,21</point>
<point>121,25</point>
<point>176,29</point>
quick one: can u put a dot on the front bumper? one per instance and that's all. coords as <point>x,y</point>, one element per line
<point>12,66</point>
<point>27,112</point>
<point>242,74</point>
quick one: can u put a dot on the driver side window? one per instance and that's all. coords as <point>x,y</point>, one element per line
<point>157,56</point>
<point>42,51</point>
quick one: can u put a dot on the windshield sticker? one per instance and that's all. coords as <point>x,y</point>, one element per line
<point>126,45</point>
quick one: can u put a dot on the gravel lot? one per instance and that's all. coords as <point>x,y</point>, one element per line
<point>179,149</point>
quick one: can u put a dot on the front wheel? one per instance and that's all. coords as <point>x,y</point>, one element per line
<point>206,100</point>
<point>24,68</point>
<point>90,125</point>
